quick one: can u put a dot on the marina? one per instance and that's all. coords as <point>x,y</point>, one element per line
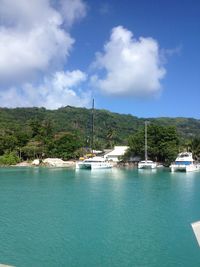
<point>99,133</point>
<point>113,217</point>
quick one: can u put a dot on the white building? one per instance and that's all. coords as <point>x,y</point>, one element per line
<point>116,154</point>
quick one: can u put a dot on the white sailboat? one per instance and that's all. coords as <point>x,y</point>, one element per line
<point>93,162</point>
<point>146,164</point>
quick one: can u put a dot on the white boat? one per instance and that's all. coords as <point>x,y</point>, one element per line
<point>93,163</point>
<point>146,164</point>
<point>184,162</point>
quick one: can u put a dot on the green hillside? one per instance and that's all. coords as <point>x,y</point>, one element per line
<point>63,132</point>
<point>71,118</point>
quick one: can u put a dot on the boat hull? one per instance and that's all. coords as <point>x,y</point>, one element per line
<point>184,163</point>
<point>92,166</point>
<point>184,168</point>
<point>147,165</point>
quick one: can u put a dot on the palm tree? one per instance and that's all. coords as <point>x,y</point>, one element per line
<point>110,136</point>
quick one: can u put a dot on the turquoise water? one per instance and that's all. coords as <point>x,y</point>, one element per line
<point>60,217</point>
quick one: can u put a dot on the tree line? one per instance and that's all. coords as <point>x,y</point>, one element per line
<point>38,140</point>
<point>26,134</point>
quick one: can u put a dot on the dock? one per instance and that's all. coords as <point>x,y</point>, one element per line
<point>196,229</point>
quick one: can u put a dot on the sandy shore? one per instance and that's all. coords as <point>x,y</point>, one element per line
<point>48,163</point>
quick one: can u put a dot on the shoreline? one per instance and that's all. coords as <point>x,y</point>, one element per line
<point>64,164</point>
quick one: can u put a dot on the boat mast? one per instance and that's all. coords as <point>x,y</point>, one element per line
<point>146,156</point>
<point>92,129</point>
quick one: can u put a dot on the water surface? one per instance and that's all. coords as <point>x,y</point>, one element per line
<point>61,217</point>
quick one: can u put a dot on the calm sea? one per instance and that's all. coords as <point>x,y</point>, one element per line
<point>105,218</point>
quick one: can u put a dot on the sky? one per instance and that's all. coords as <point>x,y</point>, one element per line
<point>138,57</point>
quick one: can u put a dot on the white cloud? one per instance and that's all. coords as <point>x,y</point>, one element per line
<point>37,51</point>
<point>129,66</point>
<point>32,39</point>
<point>72,10</point>
<point>52,93</point>
<point>26,14</point>
<point>34,44</point>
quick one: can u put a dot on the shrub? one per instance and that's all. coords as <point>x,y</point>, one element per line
<point>9,159</point>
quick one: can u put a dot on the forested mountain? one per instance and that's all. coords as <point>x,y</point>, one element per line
<point>107,123</point>
<point>38,132</point>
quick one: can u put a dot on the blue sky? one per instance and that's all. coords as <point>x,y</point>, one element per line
<point>138,57</point>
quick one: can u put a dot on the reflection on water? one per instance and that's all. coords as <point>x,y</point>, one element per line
<point>147,171</point>
<point>186,184</point>
<point>111,173</point>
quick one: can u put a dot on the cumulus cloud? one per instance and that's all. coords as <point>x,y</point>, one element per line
<point>35,44</point>
<point>72,10</point>
<point>31,40</point>
<point>129,66</point>
<point>54,92</point>
<point>25,56</point>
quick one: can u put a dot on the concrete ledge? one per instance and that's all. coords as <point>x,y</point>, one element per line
<point>196,229</point>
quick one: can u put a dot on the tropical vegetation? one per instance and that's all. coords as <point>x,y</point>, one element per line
<point>28,133</point>
<point>163,144</point>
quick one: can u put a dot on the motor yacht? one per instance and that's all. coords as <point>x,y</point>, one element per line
<point>184,162</point>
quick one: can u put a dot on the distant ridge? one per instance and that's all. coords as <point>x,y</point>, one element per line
<point>72,118</point>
